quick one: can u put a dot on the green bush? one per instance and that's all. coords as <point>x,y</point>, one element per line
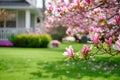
<point>44,40</point>
<point>11,37</point>
<point>58,33</point>
<point>31,40</point>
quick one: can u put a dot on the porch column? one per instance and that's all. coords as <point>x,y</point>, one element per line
<point>27,19</point>
<point>35,21</point>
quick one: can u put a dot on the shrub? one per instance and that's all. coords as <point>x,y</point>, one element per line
<point>32,40</point>
<point>55,43</point>
<point>11,37</point>
<point>58,33</point>
<point>44,40</point>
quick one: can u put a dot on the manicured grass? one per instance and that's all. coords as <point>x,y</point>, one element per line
<point>49,64</point>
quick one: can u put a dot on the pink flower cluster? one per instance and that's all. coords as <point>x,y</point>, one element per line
<point>95,30</point>
<point>109,41</point>
<point>117,19</point>
<point>101,18</point>
<point>6,43</point>
<point>95,38</point>
<point>80,15</point>
<point>50,8</point>
<point>117,44</point>
<point>55,43</point>
<point>85,50</point>
<point>69,52</point>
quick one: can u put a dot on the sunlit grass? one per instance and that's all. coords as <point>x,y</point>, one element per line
<point>49,64</point>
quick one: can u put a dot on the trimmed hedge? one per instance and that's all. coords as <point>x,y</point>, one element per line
<point>31,40</point>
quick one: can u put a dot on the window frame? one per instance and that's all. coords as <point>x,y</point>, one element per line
<point>16,20</point>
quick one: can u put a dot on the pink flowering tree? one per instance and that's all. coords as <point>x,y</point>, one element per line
<point>101,18</point>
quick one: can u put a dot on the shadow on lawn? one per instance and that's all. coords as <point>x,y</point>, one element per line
<point>104,68</point>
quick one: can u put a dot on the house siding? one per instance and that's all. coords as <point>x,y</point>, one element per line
<point>32,20</point>
<point>21,19</point>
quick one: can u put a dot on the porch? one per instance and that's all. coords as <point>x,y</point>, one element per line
<point>23,21</point>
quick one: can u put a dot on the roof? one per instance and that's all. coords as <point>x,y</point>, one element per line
<point>14,3</point>
<point>19,4</point>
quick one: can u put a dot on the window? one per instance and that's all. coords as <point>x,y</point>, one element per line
<point>10,21</point>
<point>1,24</point>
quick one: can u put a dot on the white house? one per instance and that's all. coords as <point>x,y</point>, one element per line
<point>25,14</point>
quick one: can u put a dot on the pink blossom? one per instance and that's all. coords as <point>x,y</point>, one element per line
<point>50,3</point>
<point>69,52</point>
<point>50,20</point>
<point>55,43</point>
<point>62,1</point>
<point>50,8</point>
<point>70,1</point>
<point>56,26</point>
<point>119,37</point>
<point>117,19</point>
<point>58,9</point>
<point>113,1</point>
<point>85,50</point>
<point>78,1</point>
<point>70,31</point>
<point>117,44</point>
<point>98,30</point>
<point>88,1</point>
<point>64,10</point>
<point>109,41</point>
<point>95,38</point>
<point>101,17</point>
<point>92,29</point>
<point>47,25</point>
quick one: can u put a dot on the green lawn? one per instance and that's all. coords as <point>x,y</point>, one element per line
<point>49,64</point>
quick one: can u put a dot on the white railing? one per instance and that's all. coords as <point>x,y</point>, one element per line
<point>5,32</point>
